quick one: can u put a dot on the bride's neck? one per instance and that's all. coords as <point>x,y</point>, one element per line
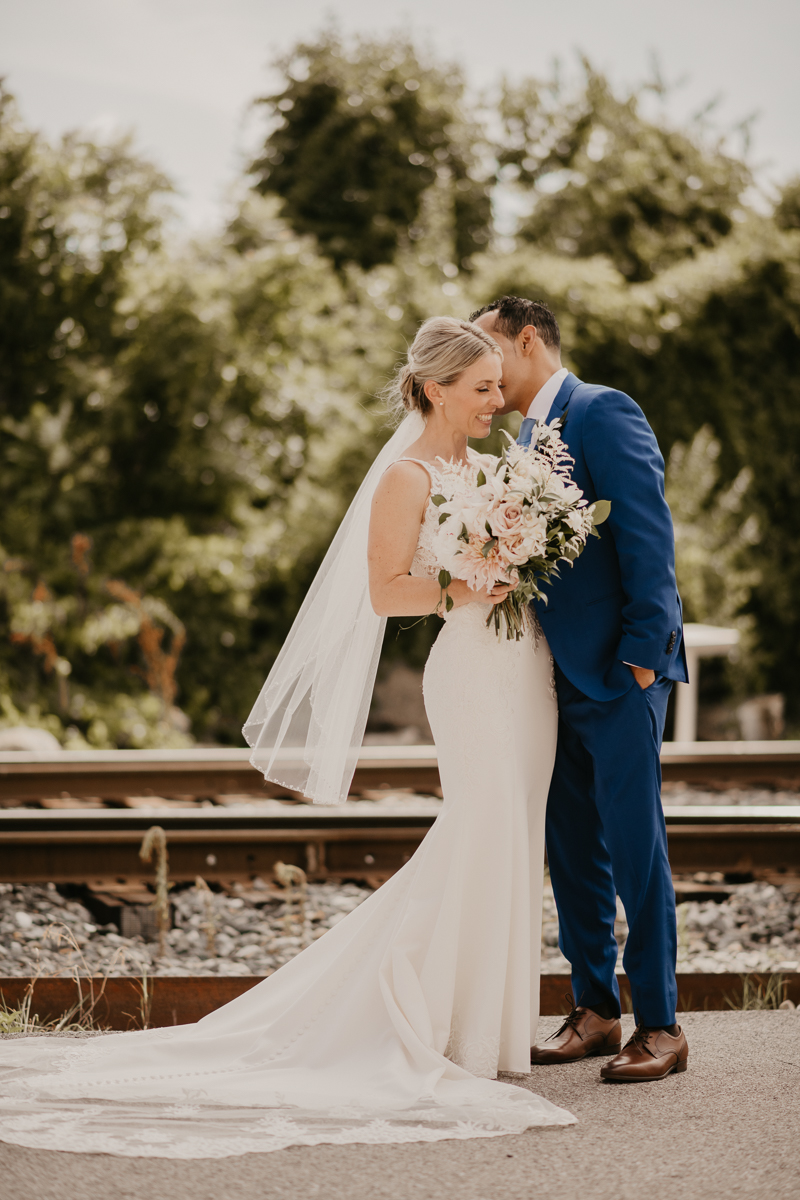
<point>442,442</point>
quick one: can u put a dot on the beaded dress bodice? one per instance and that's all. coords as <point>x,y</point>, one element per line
<point>425,562</point>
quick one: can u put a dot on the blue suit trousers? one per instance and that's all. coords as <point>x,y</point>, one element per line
<point>605,837</point>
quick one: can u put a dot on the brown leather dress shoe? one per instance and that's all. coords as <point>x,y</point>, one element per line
<point>583,1035</point>
<point>649,1054</point>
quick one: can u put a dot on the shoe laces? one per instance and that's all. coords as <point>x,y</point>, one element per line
<point>570,1021</point>
<point>641,1036</point>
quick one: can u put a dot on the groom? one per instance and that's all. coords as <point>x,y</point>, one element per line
<point>613,622</point>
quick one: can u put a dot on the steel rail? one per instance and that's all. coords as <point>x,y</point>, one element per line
<point>224,845</point>
<point>114,774</point>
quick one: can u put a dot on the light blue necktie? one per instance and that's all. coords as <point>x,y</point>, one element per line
<point>526,432</point>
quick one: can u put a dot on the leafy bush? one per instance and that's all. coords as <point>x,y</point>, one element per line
<point>187,425</point>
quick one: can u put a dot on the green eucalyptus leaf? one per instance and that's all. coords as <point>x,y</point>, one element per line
<point>601,510</point>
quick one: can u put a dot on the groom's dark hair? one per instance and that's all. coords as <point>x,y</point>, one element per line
<point>514,313</point>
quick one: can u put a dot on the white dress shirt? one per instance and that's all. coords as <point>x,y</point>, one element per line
<point>540,405</point>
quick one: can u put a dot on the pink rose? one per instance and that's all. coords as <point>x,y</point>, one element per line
<point>513,551</point>
<point>506,519</point>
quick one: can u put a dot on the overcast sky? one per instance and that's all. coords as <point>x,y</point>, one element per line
<point>181,73</point>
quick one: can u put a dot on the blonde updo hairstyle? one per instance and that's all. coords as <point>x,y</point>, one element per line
<point>442,350</point>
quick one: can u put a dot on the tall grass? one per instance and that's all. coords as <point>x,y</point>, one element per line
<point>757,995</point>
<point>82,1015</point>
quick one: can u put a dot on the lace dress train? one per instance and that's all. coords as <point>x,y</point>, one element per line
<point>390,1028</point>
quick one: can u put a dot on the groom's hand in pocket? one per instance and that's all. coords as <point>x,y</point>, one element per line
<point>643,676</point>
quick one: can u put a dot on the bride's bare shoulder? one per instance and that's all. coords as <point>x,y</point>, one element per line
<point>407,474</point>
<point>405,484</point>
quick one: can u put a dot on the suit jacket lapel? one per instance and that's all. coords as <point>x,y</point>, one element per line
<point>562,397</point>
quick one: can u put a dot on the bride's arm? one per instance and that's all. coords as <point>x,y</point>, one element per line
<point>398,507</point>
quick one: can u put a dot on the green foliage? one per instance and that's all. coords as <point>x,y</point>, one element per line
<point>724,350</point>
<point>70,223</point>
<point>759,994</point>
<point>201,417</point>
<point>603,179</point>
<point>787,210</point>
<point>83,638</point>
<point>713,540</point>
<point>207,452</point>
<point>132,412</point>
<point>715,555</point>
<point>358,137</point>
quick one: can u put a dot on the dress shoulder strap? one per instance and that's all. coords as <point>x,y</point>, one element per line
<point>433,472</point>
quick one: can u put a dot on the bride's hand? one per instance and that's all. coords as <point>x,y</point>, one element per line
<point>492,596</point>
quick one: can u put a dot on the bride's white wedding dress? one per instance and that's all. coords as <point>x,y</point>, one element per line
<point>393,1026</point>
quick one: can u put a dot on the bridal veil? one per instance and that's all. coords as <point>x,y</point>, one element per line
<point>308,722</point>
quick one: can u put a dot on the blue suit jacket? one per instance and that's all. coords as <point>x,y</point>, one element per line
<point>619,602</point>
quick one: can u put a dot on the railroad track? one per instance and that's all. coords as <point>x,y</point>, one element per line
<point>83,845</point>
<point>223,845</point>
<point>209,772</point>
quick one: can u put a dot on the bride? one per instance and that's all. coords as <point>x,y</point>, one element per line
<point>394,1025</point>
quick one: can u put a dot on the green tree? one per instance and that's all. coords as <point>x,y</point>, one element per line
<point>206,449</point>
<point>63,630</point>
<point>714,545</point>
<point>358,136</point>
<point>197,419</point>
<point>787,210</point>
<point>70,222</point>
<point>601,178</point>
<point>132,414</point>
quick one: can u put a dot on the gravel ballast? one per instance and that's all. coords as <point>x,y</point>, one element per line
<point>749,927</point>
<point>756,928</point>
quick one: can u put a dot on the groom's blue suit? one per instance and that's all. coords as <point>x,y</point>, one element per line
<point>618,604</point>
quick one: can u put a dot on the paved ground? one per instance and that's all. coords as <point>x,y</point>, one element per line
<point>728,1129</point>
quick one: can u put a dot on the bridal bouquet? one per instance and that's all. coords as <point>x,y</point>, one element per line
<point>515,523</point>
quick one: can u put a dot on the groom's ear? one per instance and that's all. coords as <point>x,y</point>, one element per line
<point>526,339</point>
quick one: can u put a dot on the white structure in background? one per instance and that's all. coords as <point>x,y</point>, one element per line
<point>37,742</point>
<point>701,641</point>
